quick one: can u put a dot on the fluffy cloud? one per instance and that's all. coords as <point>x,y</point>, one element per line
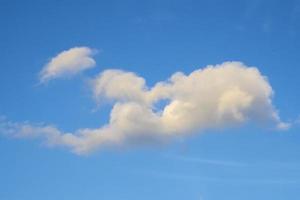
<point>218,96</point>
<point>68,63</point>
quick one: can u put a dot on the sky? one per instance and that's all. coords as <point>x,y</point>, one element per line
<point>114,100</point>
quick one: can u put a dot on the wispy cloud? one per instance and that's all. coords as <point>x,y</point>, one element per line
<point>223,180</point>
<point>68,63</point>
<point>271,164</point>
<point>216,162</point>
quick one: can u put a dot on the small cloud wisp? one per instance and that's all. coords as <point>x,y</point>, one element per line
<point>68,63</point>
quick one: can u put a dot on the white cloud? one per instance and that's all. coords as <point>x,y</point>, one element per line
<point>218,96</point>
<point>68,63</point>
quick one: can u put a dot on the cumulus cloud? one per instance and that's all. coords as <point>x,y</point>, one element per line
<point>68,63</point>
<point>220,96</point>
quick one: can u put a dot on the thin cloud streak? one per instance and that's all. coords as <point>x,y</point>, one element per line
<point>233,163</point>
<point>224,180</point>
<point>208,161</point>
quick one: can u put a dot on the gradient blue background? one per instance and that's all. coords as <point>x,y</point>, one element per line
<point>154,39</point>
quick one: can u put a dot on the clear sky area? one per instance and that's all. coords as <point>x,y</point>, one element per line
<point>143,100</point>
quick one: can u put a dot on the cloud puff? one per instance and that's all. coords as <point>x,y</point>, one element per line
<point>68,63</point>
<point>218,96</point>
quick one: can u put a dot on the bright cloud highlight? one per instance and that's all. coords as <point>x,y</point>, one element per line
<point>220,96</point>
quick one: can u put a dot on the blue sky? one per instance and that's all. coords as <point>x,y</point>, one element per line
<point>153,39</point>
